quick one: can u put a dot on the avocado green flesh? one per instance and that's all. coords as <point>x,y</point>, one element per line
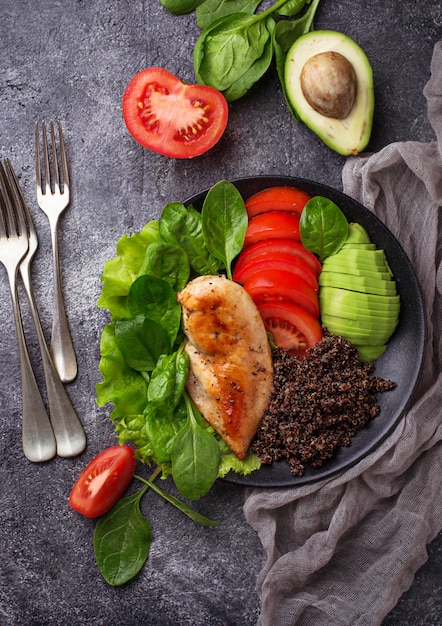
<point>370,353</point>
<point>353,256</point>
<point>358,246</point>
<point>351,134</point>
<point>340,299</point>
<point>357,234</point>
<point>341,268</point>
<point>357,283</point>
<point>358,297</point>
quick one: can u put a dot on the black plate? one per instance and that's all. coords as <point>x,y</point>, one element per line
<point>401,362</point>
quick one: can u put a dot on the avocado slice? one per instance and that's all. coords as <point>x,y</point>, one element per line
<point>357,246</point>
<point>370,353</point>
<point>341,115</point>
<point>360,270</point>
<point>335,297</point>
<point>357,234</point>
<point>355,257</point>
<point>357,283</point>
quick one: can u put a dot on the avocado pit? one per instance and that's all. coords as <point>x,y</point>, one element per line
<point>329,84</point>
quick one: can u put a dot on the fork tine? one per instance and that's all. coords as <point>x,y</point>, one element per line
<point>64,162</point>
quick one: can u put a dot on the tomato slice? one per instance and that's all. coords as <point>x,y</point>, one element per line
<point>103,481</point>
<point>273,224</point>
<point>266,285</point>
<point>173,118</point>
<point>277,199</point>
<point>277,261</point>
<point>293,328</point>
<point>273,247</point>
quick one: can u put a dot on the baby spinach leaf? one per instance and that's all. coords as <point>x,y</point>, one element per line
<point>141,341</point>
<point>195,458</point>
<point>181,225</point>
<point>323,227</point>
<point>122,540</point>
<point>211,10</point>
<point>181,7</point>
<point>161,425</point>
<point>227,48</point>
<point>168,262</point>
<point>224,222</point>
<point>169,379</point>
<point>291,7</point>
<point>154,298</point>
<point>241,86</point>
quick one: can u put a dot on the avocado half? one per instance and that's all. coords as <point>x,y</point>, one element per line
<point>349,134</point>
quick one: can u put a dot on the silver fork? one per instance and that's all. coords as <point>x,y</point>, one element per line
<point>53,198</point>
<point>37,434</point>
<point>69,433</point>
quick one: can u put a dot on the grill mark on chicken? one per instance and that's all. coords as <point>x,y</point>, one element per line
<point>231,372</point>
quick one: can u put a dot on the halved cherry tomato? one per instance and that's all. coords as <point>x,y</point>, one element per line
<point>277,199</point>
<point>277,262</point>
<point>266,285</point>
<point>273,247</point>
<point>103,481</point>
<point>293,328</point>
<point>173,118</point>
<point>273,224</point>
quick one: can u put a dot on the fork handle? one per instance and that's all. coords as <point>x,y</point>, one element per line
<point>38,437</point>
<point>69,433</point>
<point>62,349</point>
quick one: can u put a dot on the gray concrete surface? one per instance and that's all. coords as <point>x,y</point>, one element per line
<point>72,60</point>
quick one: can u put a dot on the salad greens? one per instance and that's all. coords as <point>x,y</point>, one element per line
<point>123,536</point>
<point>143,363</point>
<point>238,43</point>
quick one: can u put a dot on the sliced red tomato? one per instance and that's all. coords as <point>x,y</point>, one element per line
<point>277,199</point>
<point>273,224</point>
<point>266,285</point>
<point>173,118</point>
<point>277,261</point>
<point>103,481</point>
<point>273,247</point>
<point>293,328</point>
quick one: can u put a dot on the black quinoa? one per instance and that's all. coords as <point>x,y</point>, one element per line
<point>318,403</point>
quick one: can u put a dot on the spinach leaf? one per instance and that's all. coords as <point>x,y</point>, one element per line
<point>161,425</point>
<point>154,298</point>
<point>227,48</point>
<point>253,74</point>
<point>323,227</point>
<point>168,379</point>
<point>122,540</point>
<point>195,457</point>
<point>181,7</point>
<point>141,341</point>
<point>224,222</point>
<point>181,225</point>
<point>291,7</point>
<point>211,10</point>
<point>168,262</point>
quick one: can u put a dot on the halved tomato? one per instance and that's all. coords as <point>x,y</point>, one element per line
<point>273,224</point>
<point>273,247</point>
<point>173,118</point>
<point>266,285</point>
<point>103,481</point>
<point>277,199</point>
<point>277,261</point>
<point>293,328</point>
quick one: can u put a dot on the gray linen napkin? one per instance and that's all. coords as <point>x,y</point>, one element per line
<point>341,552</point>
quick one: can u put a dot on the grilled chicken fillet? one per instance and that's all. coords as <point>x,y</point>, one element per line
<point>231,372</point>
